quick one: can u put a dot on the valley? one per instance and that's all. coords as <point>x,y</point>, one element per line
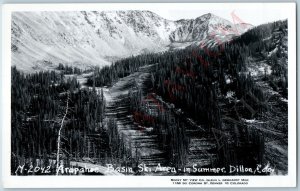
<point>146,92</point>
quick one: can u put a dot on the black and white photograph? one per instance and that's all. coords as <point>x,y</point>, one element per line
<point>153,90</point>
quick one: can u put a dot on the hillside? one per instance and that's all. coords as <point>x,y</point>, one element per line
<point>42,40</point>
<point>236,93</point>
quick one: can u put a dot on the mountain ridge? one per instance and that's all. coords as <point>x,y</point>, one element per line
<point>91,38</point>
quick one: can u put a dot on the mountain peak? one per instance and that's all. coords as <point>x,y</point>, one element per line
<point>212,17</point>
<point>208,16</point>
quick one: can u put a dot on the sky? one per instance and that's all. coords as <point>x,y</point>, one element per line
<point>254,14</point>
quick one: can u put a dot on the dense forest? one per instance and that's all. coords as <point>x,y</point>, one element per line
<point>38,103</point>
<point>216,88</point>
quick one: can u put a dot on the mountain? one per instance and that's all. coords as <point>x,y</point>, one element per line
<point>177,108</point>
<point>42,40</point>
<point>207,29</point>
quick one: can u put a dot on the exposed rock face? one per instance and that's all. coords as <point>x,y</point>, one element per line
<point>41,40</point>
